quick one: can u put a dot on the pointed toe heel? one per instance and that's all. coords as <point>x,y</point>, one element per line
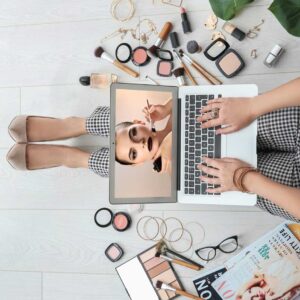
<point>17,129</point>
<point>16,157</point>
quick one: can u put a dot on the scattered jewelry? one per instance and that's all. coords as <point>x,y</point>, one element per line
<point>136,32</point>
<point>216,35</point>
<point>211,22</point>
<point>155,229</point>
<point>253,32</point>
<point>113,10</point>
<point>253,53</point>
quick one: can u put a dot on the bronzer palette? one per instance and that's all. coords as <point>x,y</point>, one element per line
<point>140,274</point>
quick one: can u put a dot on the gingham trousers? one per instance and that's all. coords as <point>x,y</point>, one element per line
<point>278,145</point>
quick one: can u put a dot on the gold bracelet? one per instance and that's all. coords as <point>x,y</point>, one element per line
<point>238,180</point>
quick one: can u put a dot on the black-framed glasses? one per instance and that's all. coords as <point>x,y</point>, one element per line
<point>228,245</point>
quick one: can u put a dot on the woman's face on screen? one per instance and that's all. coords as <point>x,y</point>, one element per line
<point>136,144</point>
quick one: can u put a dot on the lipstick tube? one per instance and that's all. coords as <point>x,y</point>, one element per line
<point>186,26</point>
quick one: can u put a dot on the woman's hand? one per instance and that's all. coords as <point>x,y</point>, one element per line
<point>234,113</point>
<point>223,170</point>
<point>156,112</point>
<point>165,151</point>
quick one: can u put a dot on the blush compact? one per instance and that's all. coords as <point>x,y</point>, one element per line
<point>121,221</point>
<point>228,61</point>
<point>140,56</point>
<point>104,217</point>
<point>114,252</point>
<point>164,68</point>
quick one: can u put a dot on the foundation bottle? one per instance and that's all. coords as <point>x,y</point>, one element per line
<point>98,81</point>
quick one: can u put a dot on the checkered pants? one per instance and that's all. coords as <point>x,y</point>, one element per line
<point>278,145</point>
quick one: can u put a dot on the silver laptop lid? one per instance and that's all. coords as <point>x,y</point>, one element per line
<point>134,145</point>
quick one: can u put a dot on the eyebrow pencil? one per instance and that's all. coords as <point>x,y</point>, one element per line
<point>162,37</point>
<point>204,73</point>
<point>187,71</point>
<point>151,121</point>
<point>99,52</point>
<point>164,286</point>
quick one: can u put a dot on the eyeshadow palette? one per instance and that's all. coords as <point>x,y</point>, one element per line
<point>140,274</point>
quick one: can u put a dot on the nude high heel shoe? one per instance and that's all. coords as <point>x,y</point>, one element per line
<point>16,157</point>
<point>17,129</point>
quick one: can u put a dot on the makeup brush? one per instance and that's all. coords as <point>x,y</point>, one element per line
<point>162,247</point>
<point>99,52</point>
<point>151,121</point>
<point>187,71</point>
<point>164,286</point>
<point>204,73</point>
<point>162,37</point>
<point>177,261</point>
<point>179,74</point>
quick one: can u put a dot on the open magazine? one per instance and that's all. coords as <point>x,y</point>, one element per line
<point>267,269</point>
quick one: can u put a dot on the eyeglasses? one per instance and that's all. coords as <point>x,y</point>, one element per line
<point>228,245</point>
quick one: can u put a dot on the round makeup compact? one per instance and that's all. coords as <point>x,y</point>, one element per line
<point>121,221</point>
<point>140,57</point>
<point>104,217</point>
<point>123,53</point>
<point>228,61</point>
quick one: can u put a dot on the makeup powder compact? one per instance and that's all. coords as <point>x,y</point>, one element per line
<point>104,217</point>
<point>164,68</point>
<point>138,56</point>
<point>114,252</point>
<point>228,61</point>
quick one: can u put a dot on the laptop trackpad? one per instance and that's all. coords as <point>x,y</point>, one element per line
<point>242,145</point>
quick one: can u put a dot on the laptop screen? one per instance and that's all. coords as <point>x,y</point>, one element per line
<point>143,142</point>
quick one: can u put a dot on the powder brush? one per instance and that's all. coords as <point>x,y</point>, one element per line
<point>99,52</point>
<point>187,71</point>
<point>162,37</point>
<point>164,286</point>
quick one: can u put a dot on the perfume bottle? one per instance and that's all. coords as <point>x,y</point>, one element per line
<point>98,81</point>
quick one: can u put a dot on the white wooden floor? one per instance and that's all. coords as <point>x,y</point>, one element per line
<point>50,248</point>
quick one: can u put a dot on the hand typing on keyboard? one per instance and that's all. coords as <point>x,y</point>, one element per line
<point>234,114</point>
<point>222,171</point>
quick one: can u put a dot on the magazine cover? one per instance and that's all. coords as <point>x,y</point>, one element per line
<point>270,270</point>
<point>203,284</point>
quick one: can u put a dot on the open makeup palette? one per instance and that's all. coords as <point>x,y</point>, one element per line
<point>140,274</point>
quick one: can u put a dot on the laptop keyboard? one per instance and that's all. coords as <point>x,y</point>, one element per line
<point>198,142</point>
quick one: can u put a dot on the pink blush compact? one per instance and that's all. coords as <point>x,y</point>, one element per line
<point>121,221</point>
<point>164,68</point>
<point>114,252</point>
<point>140,57</point>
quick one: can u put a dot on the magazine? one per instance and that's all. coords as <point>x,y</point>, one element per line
<point>268,269</point>
<point>203,284</point>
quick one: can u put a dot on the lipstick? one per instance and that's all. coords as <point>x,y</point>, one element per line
<point>186,26</point>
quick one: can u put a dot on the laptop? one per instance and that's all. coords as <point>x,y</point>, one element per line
<point>138,144</point>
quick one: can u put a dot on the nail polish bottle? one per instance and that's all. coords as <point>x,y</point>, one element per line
<point>98,81</point>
